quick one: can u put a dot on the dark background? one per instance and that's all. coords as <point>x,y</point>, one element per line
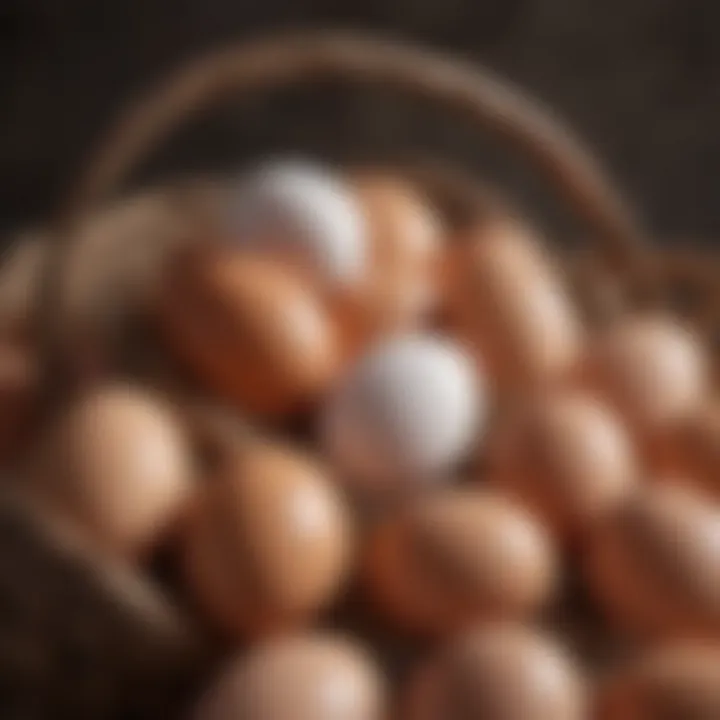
<point>638,79</point>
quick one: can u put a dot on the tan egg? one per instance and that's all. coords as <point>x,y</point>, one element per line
<point>118,463</point>
<point>252,330</point>
<point>312,677</point>
<point>655,566</point>
<point>456,556</point>
<point>678,682</point>
<point>506,300</point>
<point>565,455</point>
<point>498,672</point>
<point>651,368</point>
<point>405,237</point>
<point>689,450</point>
<point>269,543</point>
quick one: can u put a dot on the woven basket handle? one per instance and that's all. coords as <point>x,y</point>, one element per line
<point>286,60</point>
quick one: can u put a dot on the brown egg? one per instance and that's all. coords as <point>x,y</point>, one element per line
<point>269,541</point>
<point>655,566</point>
<point>690,450</point>
<point>118,463</point>
<point>251,329</point>
<point>507,302</point>
<point>498,672</point>
<point>456,556</point>
<point>313,677</point>
<point>651,368</point>
<point>403,277</point>
<point>679,682</point>
<point>567,456</point>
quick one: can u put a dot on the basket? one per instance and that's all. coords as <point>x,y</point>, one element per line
<point>80,340</point>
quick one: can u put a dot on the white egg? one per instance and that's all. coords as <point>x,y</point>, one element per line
<point>410,410</point>
<point>304,212</point>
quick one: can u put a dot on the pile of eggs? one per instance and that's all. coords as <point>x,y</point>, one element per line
<point>427,429</point>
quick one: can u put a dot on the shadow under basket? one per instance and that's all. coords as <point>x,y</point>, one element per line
<point>74,643</point>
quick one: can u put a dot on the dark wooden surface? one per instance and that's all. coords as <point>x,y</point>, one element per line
<point>639,79</point>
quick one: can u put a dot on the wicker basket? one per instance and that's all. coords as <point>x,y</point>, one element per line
<point>87,257</point>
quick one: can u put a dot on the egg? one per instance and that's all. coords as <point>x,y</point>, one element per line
<point>305,214</point>
<point>655,566</point>
<point>689,450</point>
<point>405,242</point>
<point>117,462</point>
<point>506,300</point>
<point>456,556</point>
<point>269,542</point>
<point>651,368</point>
<point>310,677</point>
<point>409,410</point>
<point>677,682</point>
<point>498,672</point>
<point>252,330</point>
<point>567,456</point>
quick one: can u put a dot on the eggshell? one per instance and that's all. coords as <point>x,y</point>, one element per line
<point>655,566</point>
<point>117,463</point>
<point>506,300</point>
<point>304,213</point>
<point>405,242</point>
<point>651,368</point>
<point>313,677</point>
<point>253,331</point>
<point>456,556</point>
<point>409,410</point>
<point>567,456</point>
<point>498,672</point>
<point>269,542</point>
<point>678,682</point>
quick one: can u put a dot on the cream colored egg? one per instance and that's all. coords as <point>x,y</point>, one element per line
<point>118,464</point>
<point>408,411</point>
<point>305,214</point>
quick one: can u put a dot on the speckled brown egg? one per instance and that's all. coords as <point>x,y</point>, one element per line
<point>506,300</point>
<point>655,566</point>
<point>567,456</point>
<point>651,368</point>
<point>498,672</point>
<point>269,541</point>
<point>118,463</point>
<point>456,556</point>
<point>252,329</point>
<point>689,450</point>
<point>678,682</point>
<point>312,677</point>
<point>405,238</point>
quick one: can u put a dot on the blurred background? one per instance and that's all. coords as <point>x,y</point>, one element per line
<point>639,80</point>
